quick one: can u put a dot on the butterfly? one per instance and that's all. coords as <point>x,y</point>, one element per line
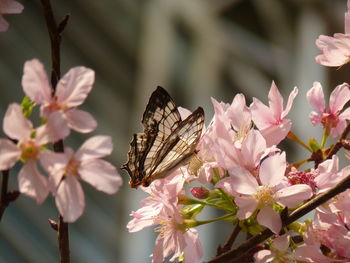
<point>166,143</point>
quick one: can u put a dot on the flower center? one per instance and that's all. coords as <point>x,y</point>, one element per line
<point>55,106</point>
<point>264,195</point>
<point>72,167</point>
<point>30,150</point>
<point>329,121</point>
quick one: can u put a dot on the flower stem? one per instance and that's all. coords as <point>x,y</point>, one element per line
<point>55,32</point>
<point>196,201</point>
<point>199,223</point>
<point>3,200</point>
<point>324,138</point>
<point>291,135</point>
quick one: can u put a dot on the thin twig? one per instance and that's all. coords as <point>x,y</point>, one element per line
<point>229,241</point>
<point>55,40</point>
<point>3,201</point>
<point>237,253</point>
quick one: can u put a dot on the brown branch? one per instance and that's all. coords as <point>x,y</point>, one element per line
<point>55,40</point>
<point>6,197</point>
<point>229,241</point>
<point>236,254</point>
<point>339,143</point>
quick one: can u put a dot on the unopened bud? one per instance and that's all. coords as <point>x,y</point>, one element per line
<point>200,192</point>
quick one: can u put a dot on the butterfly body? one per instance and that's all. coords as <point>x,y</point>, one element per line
<point>166,143</point>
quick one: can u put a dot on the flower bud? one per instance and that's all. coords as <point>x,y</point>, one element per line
<point>200,192</point>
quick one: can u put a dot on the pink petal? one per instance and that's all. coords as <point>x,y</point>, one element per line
<point>10,7</point>
<point>35,83</point>
<point>338,130</point>
<point>339,96</point>
<point>274,134</point>
<point>247,205</point>
<point>264,256</point>
<point>9,154</point>
<point>55,129</point>
<point>262,115</point>
<point>32,183</point>
<point>70,199</point>
<point>291,98</point>
<point>293,195</point>
<point>15,125</point>
<point>74,87</point>
<point>80,121</point>
<point>275,101</point>
<point>96,147</point>
<point>101,174</point>
<point>184,113</point>
<point>272,169</point>
<point>252,149</point>
<point>55,165</point>
<point>242,181</point>
<point>193,251</point>
<point>282,242</point>
<point>347,23</point>
<point>345,115</point>
<point>315,97</point>
<point>269,218</point>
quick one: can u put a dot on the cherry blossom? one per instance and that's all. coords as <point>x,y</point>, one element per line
<point>332,120</point>
<point>162,193</point>
<point>28,148</point>
<point>176,239</point>
<point>66,169</point>
<point>271,120</point>
<point>335,50</point>
<point>8,7</point>
<point>251,193</point>
<point>71,91</point>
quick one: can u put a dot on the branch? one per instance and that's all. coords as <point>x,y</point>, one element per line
<point>236,254</point>
<point>55,40</point>
<point>229,241</point>
<point>6,197</point>
<point>339,143</point>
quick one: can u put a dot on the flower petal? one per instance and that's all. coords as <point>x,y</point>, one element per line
<point>293,195</point>
<point>242,181</point>
<point>262,115</point>
<point>55,129</point>
<point>35,83</point>
<point>15,125</point>
<point>55,165</point>
<point>32,183</point>
<point>315,97</point>
<point>96,147</point>
<point>74,87</point>
<point>247,205</point>
<point>272,169</point>
<point>339,96</point>
<point>9,154</point>
<point>101,174</point>
<point>80,121</point>
<point>269,218</point>
<point>291,98</point>
<point>10,7</point>
<point>275,101</point>
<point>70,199</point>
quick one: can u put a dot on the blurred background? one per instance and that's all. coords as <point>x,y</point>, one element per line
<point>196,49</point>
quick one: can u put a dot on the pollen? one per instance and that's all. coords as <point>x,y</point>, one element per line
<point>265,196</point>
<point>30,150</point>
<point>72,167</point>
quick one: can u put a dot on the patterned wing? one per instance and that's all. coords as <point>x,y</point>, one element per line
<point>177,148</point>
<point>166,142</point>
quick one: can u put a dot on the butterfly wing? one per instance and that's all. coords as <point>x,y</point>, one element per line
<point>177,148</point>
<point>166,142</point>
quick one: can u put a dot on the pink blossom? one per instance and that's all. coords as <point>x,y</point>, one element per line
<point>271,120</point>
<point>335,51</point>
<point>8,7</point>
<point>71,91</point>
<point>65,170</point>
<point>328,231</point>
<point>162,193</point>
<point>176,239</point>
<point>261,193</point>
<point>332,120</point>
<point>278,251</point>
<point>28,148</point>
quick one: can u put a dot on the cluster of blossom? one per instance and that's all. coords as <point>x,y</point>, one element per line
<point>31,146</point>
<point>243,173</point>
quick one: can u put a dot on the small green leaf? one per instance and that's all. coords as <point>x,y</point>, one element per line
<point>27,106</point>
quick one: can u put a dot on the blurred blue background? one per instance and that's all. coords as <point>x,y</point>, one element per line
<point>196,49</point>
